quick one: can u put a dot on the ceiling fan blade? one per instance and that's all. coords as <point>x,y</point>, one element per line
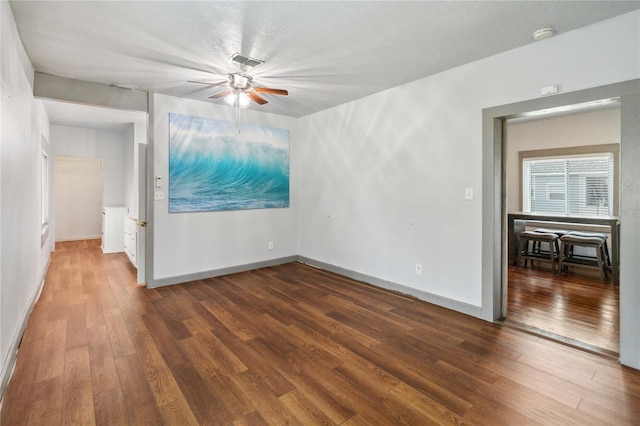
<point>208,84</point>
<point>271,91</point>
<point>257,99</point>
<point>221,94</point>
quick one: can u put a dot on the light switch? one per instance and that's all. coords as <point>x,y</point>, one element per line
<point>468,193</point>
<point>158,195</point>
<point>158,181</point>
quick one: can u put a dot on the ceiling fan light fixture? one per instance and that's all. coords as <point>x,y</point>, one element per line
<point>240,92</point>
<point>238,98</point>
<point>243,100</point>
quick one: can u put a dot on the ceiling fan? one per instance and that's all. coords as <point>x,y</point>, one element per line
<point>241,92</point>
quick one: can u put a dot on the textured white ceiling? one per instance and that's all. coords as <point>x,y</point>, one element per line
<point>324,53</point>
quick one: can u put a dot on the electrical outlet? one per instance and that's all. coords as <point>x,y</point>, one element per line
<point>270,245</point>
<point>418,269</point>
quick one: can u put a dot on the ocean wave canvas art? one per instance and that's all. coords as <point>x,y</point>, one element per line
<point>220,165</point>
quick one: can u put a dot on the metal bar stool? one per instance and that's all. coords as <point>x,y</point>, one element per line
<point>569,257</point>
<point>537,238</point>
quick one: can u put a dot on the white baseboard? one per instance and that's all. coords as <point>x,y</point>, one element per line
<point>89,237</point>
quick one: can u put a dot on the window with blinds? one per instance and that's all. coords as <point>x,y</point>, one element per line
<point>579,186</point>
<point>44,189</point>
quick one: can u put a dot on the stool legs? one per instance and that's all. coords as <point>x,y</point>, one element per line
<point>601,267</point>
<point>568,256</point>
<point>522,244</point>
<point>535,239</point>
<point>552,260</point>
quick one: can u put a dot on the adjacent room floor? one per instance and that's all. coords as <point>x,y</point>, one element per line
<point>572,307</point>
<point>287,345</point>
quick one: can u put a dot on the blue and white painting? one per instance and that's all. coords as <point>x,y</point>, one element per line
<point>220,165</point>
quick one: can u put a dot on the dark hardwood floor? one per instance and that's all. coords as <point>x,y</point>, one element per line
<point>573,307</point>
<point>287,345</point>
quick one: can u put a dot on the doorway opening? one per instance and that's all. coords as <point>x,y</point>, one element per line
<point>117,139</point>
<point>78,198</point>
<point>495,221</point>
<point>563,164</point>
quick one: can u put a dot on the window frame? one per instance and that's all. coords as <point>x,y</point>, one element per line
<point>576,151</point>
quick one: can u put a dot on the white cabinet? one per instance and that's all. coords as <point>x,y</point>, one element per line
<point>131,238</point>
<point>113,229</point>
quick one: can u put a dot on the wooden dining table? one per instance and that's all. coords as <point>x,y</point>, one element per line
<point>613,222</point>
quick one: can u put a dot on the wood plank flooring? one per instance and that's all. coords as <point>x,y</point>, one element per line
<point>287,345</point>
<point>571,307</point>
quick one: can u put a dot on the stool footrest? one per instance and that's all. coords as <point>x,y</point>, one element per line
<point>579,260</point>
<point>538,256</point>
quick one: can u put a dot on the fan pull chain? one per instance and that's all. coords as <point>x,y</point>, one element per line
<point>237,120</point>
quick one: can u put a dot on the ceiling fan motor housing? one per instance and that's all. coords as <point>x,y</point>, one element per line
<point>240,81</point>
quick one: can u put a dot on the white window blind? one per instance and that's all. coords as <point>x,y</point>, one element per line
<point>44,188</point>
<point>579,186</point>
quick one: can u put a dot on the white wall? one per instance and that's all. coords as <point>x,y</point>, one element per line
<point>384,176</point>
<point>23,260</point>
<point>110,145</point>
<point>190,243</point>
<point>78,196</point>
<point>600,127</point>
<point>130,172</point>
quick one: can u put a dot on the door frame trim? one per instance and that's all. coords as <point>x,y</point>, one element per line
<point>494,261</point>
